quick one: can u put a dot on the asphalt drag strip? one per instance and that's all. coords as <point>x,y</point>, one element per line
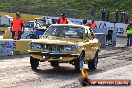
<point>118,58</point>
<point>15,72</point>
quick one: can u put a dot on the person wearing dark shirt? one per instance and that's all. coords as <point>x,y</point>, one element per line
<point>53,21</point>
<point>103,11</point>
<point>117,16</point>
<point>92,11</point>
<point>108,16</point>
<point>84,22</point>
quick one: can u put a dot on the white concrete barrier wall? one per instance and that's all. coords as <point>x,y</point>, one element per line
<point>120,28</point>
<point>25,34</point>
<point>109,39</point>
<point>6,47</point>
<point>102,38</point>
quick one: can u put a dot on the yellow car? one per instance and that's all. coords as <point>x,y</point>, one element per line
<point>66,43</point>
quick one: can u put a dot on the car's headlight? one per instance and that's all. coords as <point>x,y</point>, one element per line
<point>70,47</point>
<point>35,46</point>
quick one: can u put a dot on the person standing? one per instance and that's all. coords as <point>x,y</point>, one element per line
<point>103,11</point>
<point>126,18</point>
<point>53,21</point>
<point>108,16</point>
<point>92,11</point>
<point>92,24</point>
<point>122,17</point>
<point>17,27</point>
<point>84,22</point>
<point>117,16</point>
<point>62,19</point>
<point>44,20</point>
<point>48,22</point>
<point>129,34</point>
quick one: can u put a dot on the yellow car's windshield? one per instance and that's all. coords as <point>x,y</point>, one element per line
<point>65,31</point>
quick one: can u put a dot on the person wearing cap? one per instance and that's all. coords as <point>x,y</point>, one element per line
<point>17,27</point>
<point>84,22</point>
<point>62,19</point>
<point>92,24</point>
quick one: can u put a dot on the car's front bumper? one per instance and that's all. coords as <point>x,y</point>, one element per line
<point>53,54</point>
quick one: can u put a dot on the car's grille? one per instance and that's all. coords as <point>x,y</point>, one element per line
<point>51,47</point>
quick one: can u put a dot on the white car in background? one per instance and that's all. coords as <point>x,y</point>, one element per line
<point>29,25</point>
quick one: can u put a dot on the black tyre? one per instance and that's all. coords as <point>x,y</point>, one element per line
<point>54,64</point>
<point>79,62</point>
<point>34,63</point>
<point>93,63</point>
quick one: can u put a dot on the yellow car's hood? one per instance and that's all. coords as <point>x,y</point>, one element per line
<point>58,41</point>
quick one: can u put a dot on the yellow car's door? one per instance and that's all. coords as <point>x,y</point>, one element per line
<point>88,45</point>
<point>93,42</point>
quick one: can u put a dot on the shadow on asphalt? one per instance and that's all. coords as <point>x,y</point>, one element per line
<point>58,70</point>
<point>64,72</point>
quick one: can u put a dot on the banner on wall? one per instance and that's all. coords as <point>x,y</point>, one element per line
<point>6,48</point>
<point>10,47</point>
<point>110,35</point>
<point>120,28</point>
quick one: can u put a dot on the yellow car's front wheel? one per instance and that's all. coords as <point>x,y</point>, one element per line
<point>79,62</point>
<point>34,63</point>
<point>93,63</point>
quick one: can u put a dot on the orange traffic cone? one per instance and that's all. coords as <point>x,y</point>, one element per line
<point>84,80</point>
